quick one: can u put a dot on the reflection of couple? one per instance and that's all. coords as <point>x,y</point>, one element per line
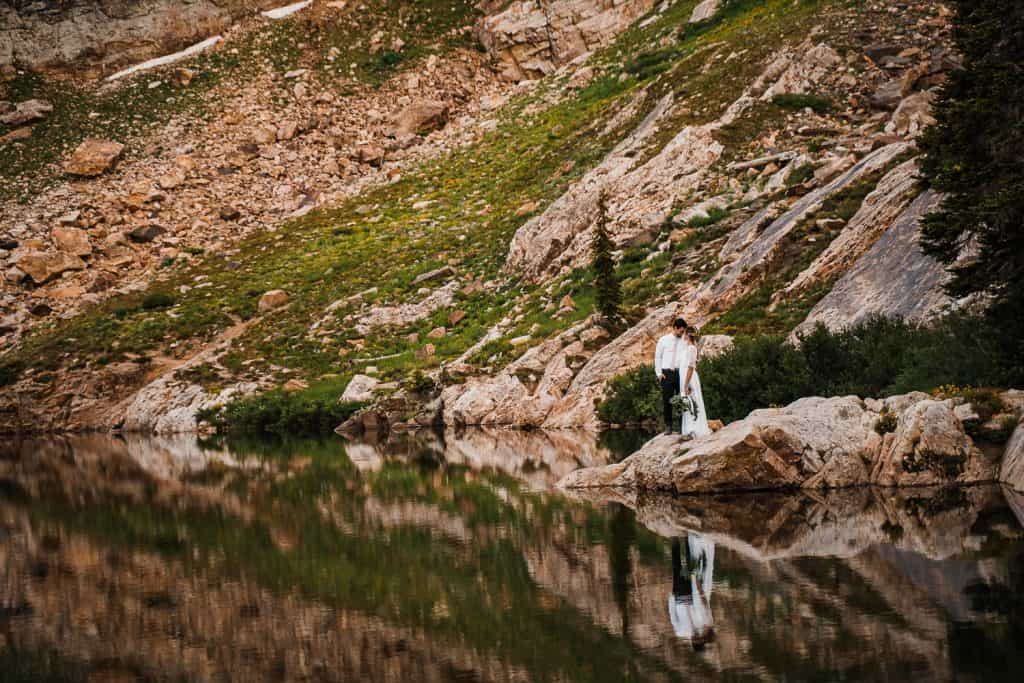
<point>689,605</point>
<point>675,364</point>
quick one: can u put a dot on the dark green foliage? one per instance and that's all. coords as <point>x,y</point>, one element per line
<point>632,397</point>
<point>607,287</point>
<point>817,103</point>
<point>421,383</point>
<point>9,373</point>
<point>886,422</point>
<point>975,153</point>
<point>800,174</point>
<point>875,358</point>
<point>281,412</point>
<point>156,301</point>
<point>757,373</point>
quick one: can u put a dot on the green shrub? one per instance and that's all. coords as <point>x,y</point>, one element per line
<point>755,373</point>
<point>420,383</point>
<point>817,103</point>
<point>886,422</point>
<point>632,397</point>
<point>800,174</point>
<point>878,357</point>
<point>157,300</point>
<point>280,412</point>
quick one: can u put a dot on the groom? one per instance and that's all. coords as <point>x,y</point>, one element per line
<point>666,367</point>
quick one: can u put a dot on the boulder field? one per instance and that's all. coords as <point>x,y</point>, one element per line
<point>826,443</point>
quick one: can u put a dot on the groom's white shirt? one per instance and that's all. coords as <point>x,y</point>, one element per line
<point>666,353</point>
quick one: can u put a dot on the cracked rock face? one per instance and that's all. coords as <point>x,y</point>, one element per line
<point>106,33</point>
<point>530,39</point>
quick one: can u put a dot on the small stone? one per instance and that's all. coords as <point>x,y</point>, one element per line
<point>229,213</point>
<point>425,351</point>
<point>456,317</point>
<point>437,333</point>
<point>40,310</point>
<point>443,272</point>
<point>568,303</point>
<point>527,208</point>
<point>519,341</point>
<point>295,384</point>
<point>372,155</point>
<point>271,300</point>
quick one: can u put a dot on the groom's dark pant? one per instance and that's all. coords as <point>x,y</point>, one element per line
<point>669,388</point>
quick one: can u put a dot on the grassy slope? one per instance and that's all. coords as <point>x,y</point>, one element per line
<point>330,255</point>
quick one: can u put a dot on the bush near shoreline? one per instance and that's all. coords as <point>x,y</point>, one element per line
<point>880,356</point>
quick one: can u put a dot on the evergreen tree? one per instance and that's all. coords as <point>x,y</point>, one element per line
<point>606,282</point>
<point>975,155</point>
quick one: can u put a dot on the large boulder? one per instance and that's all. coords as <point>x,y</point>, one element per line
<point>1012,471</point>
<point>421,117</point>
<point>72,241</point>
<point>360,388</point>
<point>929,446</point>
<point>44,266</point>
<point>813,443</point>
<point>93,157</point>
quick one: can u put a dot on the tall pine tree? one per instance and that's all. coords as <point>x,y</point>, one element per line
<point>606,281</point>
<point>975,155</point>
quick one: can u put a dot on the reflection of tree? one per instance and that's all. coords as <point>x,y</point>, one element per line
<point>981,647</point>
<point>621,535</point>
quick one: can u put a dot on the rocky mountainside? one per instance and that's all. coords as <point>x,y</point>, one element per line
<point>330,202</point>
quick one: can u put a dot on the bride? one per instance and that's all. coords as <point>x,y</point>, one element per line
<point>693,426</point>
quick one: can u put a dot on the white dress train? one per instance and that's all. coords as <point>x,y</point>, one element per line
<point>694,426</point>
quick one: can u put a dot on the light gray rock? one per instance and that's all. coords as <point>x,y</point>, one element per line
<point>704,11</point>
<point>275,298</point>
<point>360,388</point>
<point>813,443</point>
<point>892,278</point>
<point>753,248</point>
<point>1012,471</point>
<point>880,208</point>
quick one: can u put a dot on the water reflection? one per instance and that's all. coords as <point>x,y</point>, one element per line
<point>689,606</point>
<point>447,557</point>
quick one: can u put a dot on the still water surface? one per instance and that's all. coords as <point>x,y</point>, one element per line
<point>431,559</point>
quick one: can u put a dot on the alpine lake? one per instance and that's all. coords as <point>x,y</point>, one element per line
<point>453,557</point>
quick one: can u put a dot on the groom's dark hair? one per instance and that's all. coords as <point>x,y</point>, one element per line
<point>679,324</point>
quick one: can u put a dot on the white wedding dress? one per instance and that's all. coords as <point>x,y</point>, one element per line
<point>694,426</point>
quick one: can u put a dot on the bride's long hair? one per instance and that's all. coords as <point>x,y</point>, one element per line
<point>692,333</point>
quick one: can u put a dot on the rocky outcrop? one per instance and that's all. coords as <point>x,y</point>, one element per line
<point>892,278</point>
<point>704,11</point>
<point>531,39</point>
<point>813,443</point>
<point>880,208</point>
<point>752,248</point>
<point>106,33</point>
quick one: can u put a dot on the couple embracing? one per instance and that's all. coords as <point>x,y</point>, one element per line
<point>675,364</point>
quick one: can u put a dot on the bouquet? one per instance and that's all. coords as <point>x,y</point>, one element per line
<point>686,405</point>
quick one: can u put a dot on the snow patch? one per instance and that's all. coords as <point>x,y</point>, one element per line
<point>167,59</point>
<point>282,12</point>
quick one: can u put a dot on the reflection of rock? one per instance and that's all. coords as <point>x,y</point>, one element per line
<point>537,457</point>
<point>813,443</point>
